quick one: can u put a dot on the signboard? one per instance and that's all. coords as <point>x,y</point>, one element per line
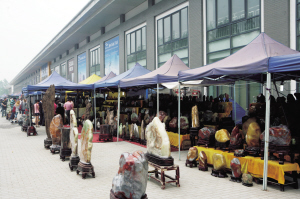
<point>112,56</point>
<point>81,60</point>
<point>70,75</point>
<point>44,71</point>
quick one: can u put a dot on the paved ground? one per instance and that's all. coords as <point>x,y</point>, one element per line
<point>28,170</point>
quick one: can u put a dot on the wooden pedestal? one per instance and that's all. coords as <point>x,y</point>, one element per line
<point>65,153</point>
<point>207,143</point>
<point>105,133</point>
<point>222,145</point>
<point>234,179</point>
<point>191,163</point>
<point>24,128</point>
<point>85,169</point>
<point>47,143</point>
<point>160,160</point>
<point>54,149</point>
<point>161,170</point>
<point>281,150</point>
<point>113,196</point>
<point>31,130</point>
<point>201,168</point>
<point>106,137</point>
<point>253,151</point>
<point>235,147</point>
<point>219,174</point>
<point>143,142</point>
<point>193,135</point>
<point>73,164</point>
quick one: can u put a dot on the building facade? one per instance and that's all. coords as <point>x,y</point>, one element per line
<point>113,35</point>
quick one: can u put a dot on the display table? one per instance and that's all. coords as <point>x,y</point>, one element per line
<point>254,165</point>
<point>173,137</point>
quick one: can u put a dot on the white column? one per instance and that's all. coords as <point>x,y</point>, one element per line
<point>262,17</point>
<point>95,112</point>
<point>234,98</point>
<point>119,90</point>
<point>179,119</point>
<point>267,126</point>
<point>157,98</point>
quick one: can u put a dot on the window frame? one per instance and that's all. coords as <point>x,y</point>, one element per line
<point>90,61</point>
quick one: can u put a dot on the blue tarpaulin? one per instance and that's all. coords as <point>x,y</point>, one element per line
<point>60,83</point>
<point>135,71</point>
<point>284,63</point>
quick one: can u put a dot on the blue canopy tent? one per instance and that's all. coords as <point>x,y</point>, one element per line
<point>250,63</point>
<point>135,71</point>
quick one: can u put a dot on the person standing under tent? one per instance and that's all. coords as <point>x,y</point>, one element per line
<point>42,119</point>
<point>68,107</point>
<point>17,104</point>
<point>4,106</point>
<point>36,112</point>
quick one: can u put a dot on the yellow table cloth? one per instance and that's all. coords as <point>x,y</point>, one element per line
<point>253,165</point>
<point>173,137</point>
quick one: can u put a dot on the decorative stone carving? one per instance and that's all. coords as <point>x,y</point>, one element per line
<point>206,132</point>
<point>222,136</point>
<point>235,166</point>
<point>48,108</point>
<point>134,117</point>
<point>219,162</point>
<point>121,129</point>
<point>278,135</point>
<point>202,161</point>
<point>131,180</point>
<point>192,154</point>
<point>247,180</point>
<point>73,134</point>
<point>246,125</point>
<point>195,117</point>
<point>56,123</point>
<point>86,142</point>
<point>131,131</point>
<point>253,134</point>
<point>142,130</point>
<point>184,122</point>
<point>173,123</point>
<point>136,133</point>
<point>88,109</point>
<point>236,138</point>
<point>158,142</point>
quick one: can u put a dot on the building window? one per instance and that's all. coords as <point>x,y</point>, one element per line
<point>136,47</point>
<point>172,36</point>
<point>298,25</point>
<point>95,61</point>
<point>63,70</point>
<point>231,25</point>
<point>56,69</point>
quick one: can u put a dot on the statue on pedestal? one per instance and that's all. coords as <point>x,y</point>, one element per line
<point>55,131</point>
<point>74,141</point>
<point>48,108</point>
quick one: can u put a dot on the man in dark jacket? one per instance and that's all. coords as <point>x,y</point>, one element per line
<point>42,119</point>
<point>4,106</point>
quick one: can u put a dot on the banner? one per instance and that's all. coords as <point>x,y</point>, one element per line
<point>81,62</point>
<point>44,72</point>
<point>70,75</point>
<point>112,56</point>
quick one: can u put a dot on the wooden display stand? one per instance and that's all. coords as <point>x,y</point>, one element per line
<point>105,133</point>
<point>113,196</point>
<point>191,163</point>
<point>234,179</point>
<point>201,168</point>
<point>220,173</point>
<point>222,145</point>
<point>194,135</point>
<point>53,149</point>
<point>85,169</point>
<point>234,147</point>
<point>47,143</point>
<point>281,150</point>
<point>253,151</point>
<point>73,164</point>
<point>161,170</point>
<point>31,130</point>
<point>162,161</point>
<point>24,128</point>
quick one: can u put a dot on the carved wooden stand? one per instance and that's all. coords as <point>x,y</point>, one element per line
<point>254,151</point>
<point>282,150</point>
<point>203,168</point>
<point>220,174</point>
<point>53,149</point>
<point>24,128</point>
<point>85,169</point>
<point>162,169</point>
<point>105,133</point>
<point>47,143</point>
<point>31,130</point>
<point>65,153</point>
<point>162,161</point>
<point>222,145</point>
<point>293,183</point>
<point>113,196</point>
<point>105,137</point>
<point>73,164</point>
<point>234,179</point>
<point>191,163</point>
<point>234,147</point>
<point>193,135</point>
<point>207,143</point>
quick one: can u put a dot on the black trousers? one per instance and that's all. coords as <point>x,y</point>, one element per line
<point>42,119</point>
<point>68,116</point>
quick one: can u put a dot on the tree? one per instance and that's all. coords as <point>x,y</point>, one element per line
<point>3,87</point>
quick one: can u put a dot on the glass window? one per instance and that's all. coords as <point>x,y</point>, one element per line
<point>238,10</point>
<point>160,32</point>
<point>132,42</point>
<point>138,40</point>
<point>144,38</point>
<point>184,22</point>
<point>173,29</point>
<point>175,26</point>
<point>253,8</point>
<point>213,57</point>
<point>211,14</point>
<point>219,45</point>
<point>244,39</point>
<point>222,12</point>
<point>167,29</point>
<point>128,44</point>
<point>95,61</point>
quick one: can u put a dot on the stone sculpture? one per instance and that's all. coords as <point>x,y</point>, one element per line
<point>247,180</point>
<point>192,154</point>
<point>56,123</point>
<point>253,134</point>
<point>202,161</point>
<point>235,166</point>
<point>162,115</point>
<point>246,125</point>
<point>222,136</point>
<point>184,122</point>
<point>195,117</point>
<point>278,135</point>
<point>121,129</point>
<point>88,109</point>
<point>131,131</point>
<point>73,134</point>
<point>219,164</point>
<point>158,142</point>
<point>173,123</point>
<point>134,117</point>
<point>206,132</point>
<point>48,108</point>
<point>136,133</point>
<point>131,179</point>
<point>86,142</point>
<point>236,139</point>
<point>142,130</point>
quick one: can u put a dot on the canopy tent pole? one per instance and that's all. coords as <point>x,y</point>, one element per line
<point>30,117</point>
<point>119,90</point>
<point>77,104</point>
<point>157,98</point>
<point>267,126</point>
<point>178,120</point>
<point>234,96</point>
<point>95,109</point>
